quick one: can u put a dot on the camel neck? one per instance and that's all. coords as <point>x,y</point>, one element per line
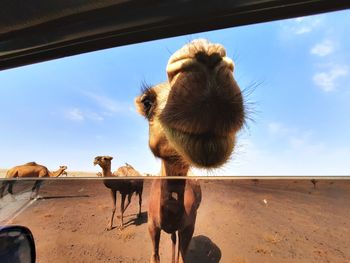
<point>171,169</point>
<point>106,171</point>
<point>55,173</point>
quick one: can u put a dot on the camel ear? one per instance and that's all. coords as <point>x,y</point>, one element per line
<point>139,105</point>
<point>109,157</point>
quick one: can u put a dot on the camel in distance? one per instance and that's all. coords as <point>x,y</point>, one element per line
<point>126,187</point>
<point>193,119</point>
<point>29,170</point>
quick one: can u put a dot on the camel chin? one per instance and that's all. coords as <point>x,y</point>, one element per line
<point>202,151</point>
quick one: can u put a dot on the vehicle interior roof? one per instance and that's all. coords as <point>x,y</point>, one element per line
<point>40,30</point>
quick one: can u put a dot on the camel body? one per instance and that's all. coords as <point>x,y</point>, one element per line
<point>125,187</point>
<point>29,170</point>
<point>173,206</point>
<point>128,186</point>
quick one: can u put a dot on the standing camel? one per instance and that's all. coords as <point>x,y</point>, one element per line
<point>136,185</point>
<point>193,121</point>
<point>126,187</point>
<point>28,170</point>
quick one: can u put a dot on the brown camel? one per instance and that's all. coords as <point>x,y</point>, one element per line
<point>126,187</point>
<point>193,121</point>
<point>28,170</point>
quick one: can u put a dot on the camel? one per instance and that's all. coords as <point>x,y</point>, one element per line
<point>125,187</point>
<point>28,170</point>
<point>193,120</point>
<point>136,185</point>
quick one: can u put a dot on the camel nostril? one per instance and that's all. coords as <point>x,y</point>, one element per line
<point>209,60</point>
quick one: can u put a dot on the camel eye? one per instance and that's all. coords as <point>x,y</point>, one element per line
<point>147,104</point>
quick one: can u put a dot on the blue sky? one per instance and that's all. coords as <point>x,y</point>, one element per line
<point>70,110</point>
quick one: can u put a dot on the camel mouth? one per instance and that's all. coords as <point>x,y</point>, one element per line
<point>206,150</point>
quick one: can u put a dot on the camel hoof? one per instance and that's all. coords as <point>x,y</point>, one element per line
<point>121,227</point>
<point>109,228</point>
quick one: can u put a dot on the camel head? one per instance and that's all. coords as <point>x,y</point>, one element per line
<point>61,170</point>
<point>63,167</point>
<point>103,161</point>
<point>195,115</point>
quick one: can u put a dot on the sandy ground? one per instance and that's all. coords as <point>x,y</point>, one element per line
<point>238,221</point>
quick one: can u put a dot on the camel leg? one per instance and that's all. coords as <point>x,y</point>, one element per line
<point>140,204</point>
<point>129,201</point>
<point>35,189</point>
<point>125,206</point>
<point>155,236</point>
<point>173,245</point>
<point>3,187</point>
<point>185,237</point>
<point>122,209</point>
<point>114,199</point>
<point>9,189</point>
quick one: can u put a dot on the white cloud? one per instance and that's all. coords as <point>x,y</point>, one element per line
<point>327,80</point>
<point>75,114</point>
<point>301,25</point>
<point>94,116</point>
<point>278,128</point>
<point>304,141</point>
<point>324,48</point>
<point>108,104</point>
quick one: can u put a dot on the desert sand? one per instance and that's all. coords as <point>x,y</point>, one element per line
<point>238,221</point>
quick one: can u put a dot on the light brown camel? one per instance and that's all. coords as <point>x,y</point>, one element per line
<point>28,170</point>
<point>193,120</point>
<point>126,187</point>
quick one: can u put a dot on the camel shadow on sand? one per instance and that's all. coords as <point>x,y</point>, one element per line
<point>135,220</point>
<point>61,196</point>
<point>203,250</point>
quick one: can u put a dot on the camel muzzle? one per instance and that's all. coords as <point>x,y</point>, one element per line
<point>204,108</point>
